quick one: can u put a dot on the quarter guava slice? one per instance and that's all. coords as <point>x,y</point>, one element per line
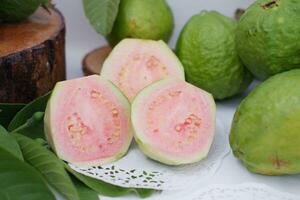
<point>268,37</point>
<point>174,121</point>
<point>206,48</point>
<point>265,133</point>
<point>135,63</point>
<point>147,19</point>
<point>87,121</point>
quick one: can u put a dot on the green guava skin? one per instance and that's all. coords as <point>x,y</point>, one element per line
<point>206,48</point>
<point>268,37</point>
<point>14,11</point>
<point>144,19</point>
<point>265,132</point>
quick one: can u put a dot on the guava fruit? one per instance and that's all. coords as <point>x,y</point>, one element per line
<point>174,121</point>
<point>147,19</point>
<point>265,130</point>
<point>206,48</point>
<point>136,63</point>
<point>87,121</point>
<point>268,37</point>
<point>12,10</point>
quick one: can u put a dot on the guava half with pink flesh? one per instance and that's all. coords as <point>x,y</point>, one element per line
<point>136,63</point>
<point>87,121</point>
<point>174,121</point>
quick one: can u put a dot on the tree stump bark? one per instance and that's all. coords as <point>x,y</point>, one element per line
<point>32,56</point>
<point>93,61</point>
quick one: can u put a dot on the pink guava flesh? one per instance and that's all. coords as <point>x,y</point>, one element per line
<point>88,121</point>
<point>174,121</point>
<point>135,63</point>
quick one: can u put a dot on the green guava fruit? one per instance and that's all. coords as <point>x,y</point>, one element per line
<point>174,121</point>
<point>136,63</point>
<point>268,37</point>
<point>17,10</point>
<point>206,48</point>
<point>146,19</point>
<point>265,133</point>
<point>87,121</point>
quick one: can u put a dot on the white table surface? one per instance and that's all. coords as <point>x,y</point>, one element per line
<point>81,38</point>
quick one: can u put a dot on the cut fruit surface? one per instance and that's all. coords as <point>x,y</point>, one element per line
<point>174,121</point>
<point>87,121</point>
<point>135,63</point>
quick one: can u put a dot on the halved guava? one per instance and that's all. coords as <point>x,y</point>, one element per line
<point>135,63</point>
<point>87,121</point>
<point>174,121</point>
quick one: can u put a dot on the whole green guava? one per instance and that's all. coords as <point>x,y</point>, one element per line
<point>265,133</point>
<point>268,37</point>
<point>143,19</point>
<point>17,10</point>
<point>206,48</point>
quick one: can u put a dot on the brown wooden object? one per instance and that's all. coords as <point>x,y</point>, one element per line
<point>32,56</point>
<point>93,61</point>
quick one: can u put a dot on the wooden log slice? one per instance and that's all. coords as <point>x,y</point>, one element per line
<point>32,56</point>
<point>93,61</point>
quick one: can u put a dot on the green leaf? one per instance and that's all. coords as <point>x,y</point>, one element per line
<point>144,193</point>
<point>48,165</point>
<point>20,181</point>
<point>42,142</point>
<point>3,197</point>
<point>85,193</point>
<point>9,144</point>
<point>99,186</point>
<point>101,14</point>
<point>33,128</point>
<point>8,111</point>
<point>3,131</point>
<point>38,105</point>
<point>107,189</point>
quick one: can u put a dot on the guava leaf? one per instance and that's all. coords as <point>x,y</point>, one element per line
<point>8,111</point>
<point>143,193</point>
<point>85,193</point>
<point>20,181</point>
<point>17,10</point>
<point>42,142</point>
<point>33,127</point>
<point>48,165</point>
<point>107,189</point>
<point>9,144</point>
<point>37,105</point>
<point>3,131</point>
<point>3,196</point>
<point>101,14</point>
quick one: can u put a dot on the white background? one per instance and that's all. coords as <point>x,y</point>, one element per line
<point>81,38</point>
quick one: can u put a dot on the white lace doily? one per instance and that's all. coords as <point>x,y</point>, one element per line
<point>136,170</point>
<point>245,191</point>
